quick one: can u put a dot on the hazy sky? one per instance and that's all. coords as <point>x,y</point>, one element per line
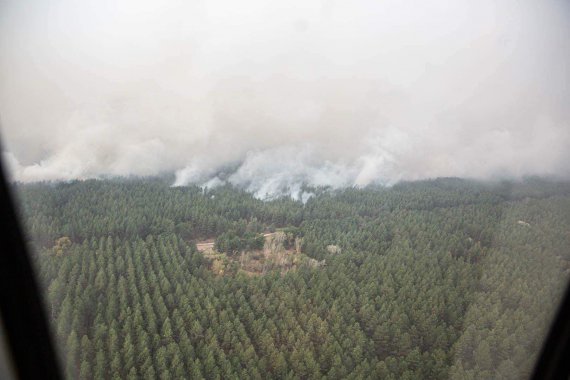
<point>323,92</point>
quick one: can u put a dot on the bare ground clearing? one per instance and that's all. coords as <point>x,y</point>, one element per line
<point>208,245</point>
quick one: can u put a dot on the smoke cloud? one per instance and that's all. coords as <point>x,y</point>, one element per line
<point>274,95</point>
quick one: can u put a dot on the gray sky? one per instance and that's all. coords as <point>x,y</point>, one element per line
<point>323,92</point>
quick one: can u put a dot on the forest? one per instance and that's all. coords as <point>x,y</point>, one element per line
<point>435,279</point>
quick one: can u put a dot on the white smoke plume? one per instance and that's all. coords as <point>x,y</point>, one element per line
<point>316,92</point>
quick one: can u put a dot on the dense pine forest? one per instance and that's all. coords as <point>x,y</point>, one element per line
<point>435,279</point>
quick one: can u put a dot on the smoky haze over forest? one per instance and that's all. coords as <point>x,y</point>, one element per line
<point>284,93</point>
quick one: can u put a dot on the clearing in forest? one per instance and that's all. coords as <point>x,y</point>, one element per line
<point>281,251</point>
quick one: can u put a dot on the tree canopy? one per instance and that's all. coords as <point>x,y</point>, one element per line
<point>427,280</point>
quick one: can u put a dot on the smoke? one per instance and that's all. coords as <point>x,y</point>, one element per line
<point>273,96</point>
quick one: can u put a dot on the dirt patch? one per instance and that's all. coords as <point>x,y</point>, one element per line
<point>273,256</point>
<point>206,245</point>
